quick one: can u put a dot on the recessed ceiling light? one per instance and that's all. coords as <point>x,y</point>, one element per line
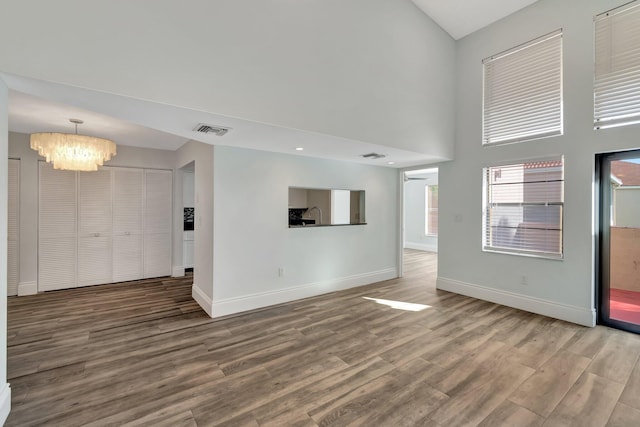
<point>299,148</point>
<point>391,163</point>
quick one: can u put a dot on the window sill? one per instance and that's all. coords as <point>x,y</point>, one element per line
<point>543,255</point>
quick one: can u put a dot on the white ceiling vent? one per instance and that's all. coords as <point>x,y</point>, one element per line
<point>216,130</point>
<point>373,156</point>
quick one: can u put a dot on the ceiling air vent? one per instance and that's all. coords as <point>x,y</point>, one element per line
<point>216,130</point>
<point>373,156</point>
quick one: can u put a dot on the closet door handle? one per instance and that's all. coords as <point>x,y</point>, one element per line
<point>96,234</point>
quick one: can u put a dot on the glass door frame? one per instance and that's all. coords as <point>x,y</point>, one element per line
<point>603,234</point>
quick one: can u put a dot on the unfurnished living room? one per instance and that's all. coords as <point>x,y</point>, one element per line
<point>318,213</point>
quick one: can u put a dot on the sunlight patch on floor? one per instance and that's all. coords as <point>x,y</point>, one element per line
<point>399,305</point>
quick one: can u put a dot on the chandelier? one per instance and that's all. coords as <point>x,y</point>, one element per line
<point>74,152</point>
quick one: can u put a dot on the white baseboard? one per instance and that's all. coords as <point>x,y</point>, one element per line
<point>177,271</point>
<point>421,246</point>
<point>579,315</point>
<point>202,299</point>
<point>27,288</point>
<point>278,296</point>
<point>5,403</point>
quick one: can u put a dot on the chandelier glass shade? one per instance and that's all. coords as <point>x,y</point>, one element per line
<point>69,151</point>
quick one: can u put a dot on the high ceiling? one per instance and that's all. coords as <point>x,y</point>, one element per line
<point>462,17</point>
<point>37,106</point>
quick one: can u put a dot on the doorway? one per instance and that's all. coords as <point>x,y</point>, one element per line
<point>188,206</point>
<point>420,210</point>
<point>619,248</point>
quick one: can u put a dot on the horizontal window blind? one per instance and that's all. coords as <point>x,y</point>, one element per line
<point>523,92</point>
<point>431,194</point>
<point>616,89</point>
<point>523,210</point>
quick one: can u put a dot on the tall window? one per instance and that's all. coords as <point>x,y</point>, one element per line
<point>523,92</point>
<point>431,209</point>
<point>616,89</point>
<point>523,210</point>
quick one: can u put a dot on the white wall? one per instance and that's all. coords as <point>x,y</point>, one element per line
<point>563,289</point>
<point>304,65</point>
<point>415,214</point>
<point>5,391</point>
<point>188,189</point>
<point>28,273</point>
<point>203,156</point>
<point>19,148</point>
<point>253,240</point>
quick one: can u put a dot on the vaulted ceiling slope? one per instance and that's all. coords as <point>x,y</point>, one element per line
<point>343,77</point>
<point>463,17</point>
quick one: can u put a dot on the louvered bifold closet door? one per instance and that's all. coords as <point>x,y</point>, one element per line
<point>94,227</point>
<point>157,223</point>
<point>56,228</point>
<point>128,185</point>
<point>13,237</point>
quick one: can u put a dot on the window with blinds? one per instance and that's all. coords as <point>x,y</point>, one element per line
<point>616,89</point>
<point>523,92</point>
<point>523,210</point>
<point>431,208</point>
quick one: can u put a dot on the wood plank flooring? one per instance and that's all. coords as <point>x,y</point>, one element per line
<point>144,354</point>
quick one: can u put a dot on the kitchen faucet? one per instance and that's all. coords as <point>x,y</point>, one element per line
<point>319,213</point>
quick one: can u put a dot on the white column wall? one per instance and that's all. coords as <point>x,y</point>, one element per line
<point>253,240</point>
<point>203,268</point>
<point>5,391</point>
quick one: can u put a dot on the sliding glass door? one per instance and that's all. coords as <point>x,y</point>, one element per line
<point>619,249</point>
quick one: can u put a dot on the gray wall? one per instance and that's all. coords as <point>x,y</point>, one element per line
<point>559,288</point>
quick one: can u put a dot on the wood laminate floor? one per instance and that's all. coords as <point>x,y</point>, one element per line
<point>144,354</point>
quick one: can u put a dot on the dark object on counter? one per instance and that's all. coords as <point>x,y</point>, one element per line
<point>302,221</point>
<point>188,218</point>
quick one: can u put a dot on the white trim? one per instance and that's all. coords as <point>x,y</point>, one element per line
<point>570,313</point>
<point>265,299</point>
<point>422,246</point>
<point>27,288</point>
<point>177,271</point>
<point>202,299</point>
<point>5,403</point>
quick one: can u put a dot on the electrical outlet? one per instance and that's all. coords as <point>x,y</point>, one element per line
<point>280,271</point>
<point>524,281</point>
